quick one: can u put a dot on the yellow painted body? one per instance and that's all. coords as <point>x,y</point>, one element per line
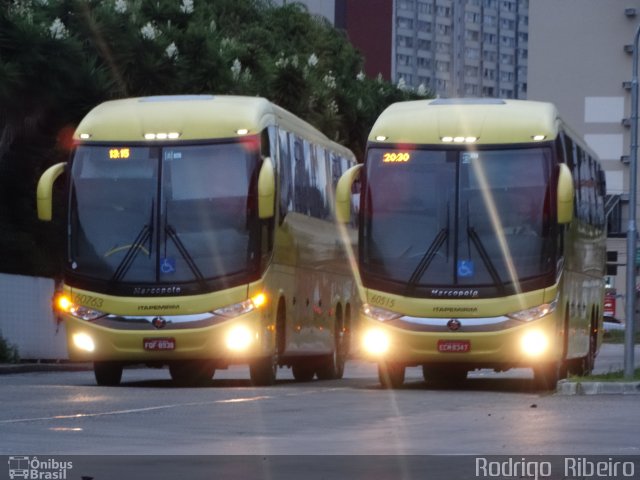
<point>307,272</point>
<point>579,288</point>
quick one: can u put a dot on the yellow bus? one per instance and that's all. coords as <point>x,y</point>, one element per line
<point>200,234</point>
<point>481,241</point>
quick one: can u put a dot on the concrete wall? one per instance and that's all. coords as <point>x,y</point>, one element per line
<point>27,320</point>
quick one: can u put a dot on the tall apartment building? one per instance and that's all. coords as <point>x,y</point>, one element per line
<point>454,48</point>
<point>462,48</point>
<point>580,58</point>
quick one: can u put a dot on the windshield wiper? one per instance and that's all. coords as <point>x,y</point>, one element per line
<point>426,259</point>
<point>145,233</point>
<point>485,258</point>
<point>173,235</point>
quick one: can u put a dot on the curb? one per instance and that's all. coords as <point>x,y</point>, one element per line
<point>567,387</point>
<point>8,368</point>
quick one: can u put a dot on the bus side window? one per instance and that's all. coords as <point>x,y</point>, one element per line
<point>286,183</point>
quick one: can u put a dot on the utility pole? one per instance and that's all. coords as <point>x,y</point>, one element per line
<point>632,230</point>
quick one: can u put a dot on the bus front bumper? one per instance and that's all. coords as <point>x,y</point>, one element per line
<point>527,344</point>
<point>235,340</point>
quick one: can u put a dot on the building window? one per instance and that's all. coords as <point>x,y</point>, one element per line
<point>406,5</point>
<point>405,41</point>
<point>424,7</point>
<point>472,53</point>
<point>424,44</point>
<point>405,23</point>
<point>442,66</point>
<point>442,47</point>
<point>424,26</point>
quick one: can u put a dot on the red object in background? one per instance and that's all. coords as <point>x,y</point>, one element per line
<point>609,304</point>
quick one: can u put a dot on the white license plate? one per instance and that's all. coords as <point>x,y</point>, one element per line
<point>155,344</point>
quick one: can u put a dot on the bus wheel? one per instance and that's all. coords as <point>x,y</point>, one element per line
<point>263,371</point>
<point>590,360</point>
<point>332,366</point>
<point>546,375</point>
<point>585,364</point>
<point>302,372</point>
<point>191,373</point>
<point>390,374</point>
<point>107,374</point>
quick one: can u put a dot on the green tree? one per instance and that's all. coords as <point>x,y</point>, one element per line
<point>59,58</point>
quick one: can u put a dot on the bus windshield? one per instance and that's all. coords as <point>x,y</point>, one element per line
<point>434,220</point>
<point>170,214</point>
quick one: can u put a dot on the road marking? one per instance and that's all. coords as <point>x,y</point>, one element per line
<point>134,410</point>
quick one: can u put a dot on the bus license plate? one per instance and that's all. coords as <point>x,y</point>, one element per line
<point>155,344</point>
<point>454,346</point>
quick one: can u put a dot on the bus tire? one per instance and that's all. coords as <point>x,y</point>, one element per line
<point>191,373</point>
<point>302,372</point>
<point>584,366</point>
<point>391,374</point>
<point>546,375</point>
<point>108,374</point>
<point>332,365</point>
<point>263,371</point>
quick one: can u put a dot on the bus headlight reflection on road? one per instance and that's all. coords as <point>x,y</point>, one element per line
<point>376,342</point>
<point>239,338</point>
<point>82,341</point>
<point>534,343</point>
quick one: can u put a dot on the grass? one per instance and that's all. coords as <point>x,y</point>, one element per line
<point>612,376</point>
<point>8,352</point>
<point>617,336</point>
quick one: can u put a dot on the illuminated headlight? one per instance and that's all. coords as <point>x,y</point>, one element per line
<point>375,342</point>
<point>380,314</point>
<point>243,307</point>
<point>85,313</point>
<point>534,343</point>
<point>64,304</point>
<point>534,313</point>
<point>239,338</point>
<point>82,341</point>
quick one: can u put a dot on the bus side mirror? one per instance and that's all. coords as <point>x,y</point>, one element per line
<point>44,194</point>
<point>343,194</point>
<point>565,195</point>
<point>266,190</point>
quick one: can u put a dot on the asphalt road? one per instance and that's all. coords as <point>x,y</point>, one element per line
<point>66,413</point>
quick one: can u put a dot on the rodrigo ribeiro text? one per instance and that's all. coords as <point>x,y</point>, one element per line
<point>572,467</point>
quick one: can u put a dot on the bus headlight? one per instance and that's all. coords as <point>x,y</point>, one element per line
<point>379,314</point>
<point>239,338</point>
<point>241,308</point>
<point>534,343</point>
<point>82,341</point>
<point>375,342</point>
<point>64,304</point>
<point>534,313</point>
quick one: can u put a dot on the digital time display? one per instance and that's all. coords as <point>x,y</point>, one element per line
<point>396,157</point>
<point>119,153</point>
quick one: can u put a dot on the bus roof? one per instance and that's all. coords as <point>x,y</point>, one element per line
<point>487,120</point>
<point>193,117</point>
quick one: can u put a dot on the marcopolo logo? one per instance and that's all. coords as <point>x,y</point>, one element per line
<point>38,469</point>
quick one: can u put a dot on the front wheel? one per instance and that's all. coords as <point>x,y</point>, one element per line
<point>391,375</point>
<point>546,375</point>
<point>108,374</point>
<point>263,371</point>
